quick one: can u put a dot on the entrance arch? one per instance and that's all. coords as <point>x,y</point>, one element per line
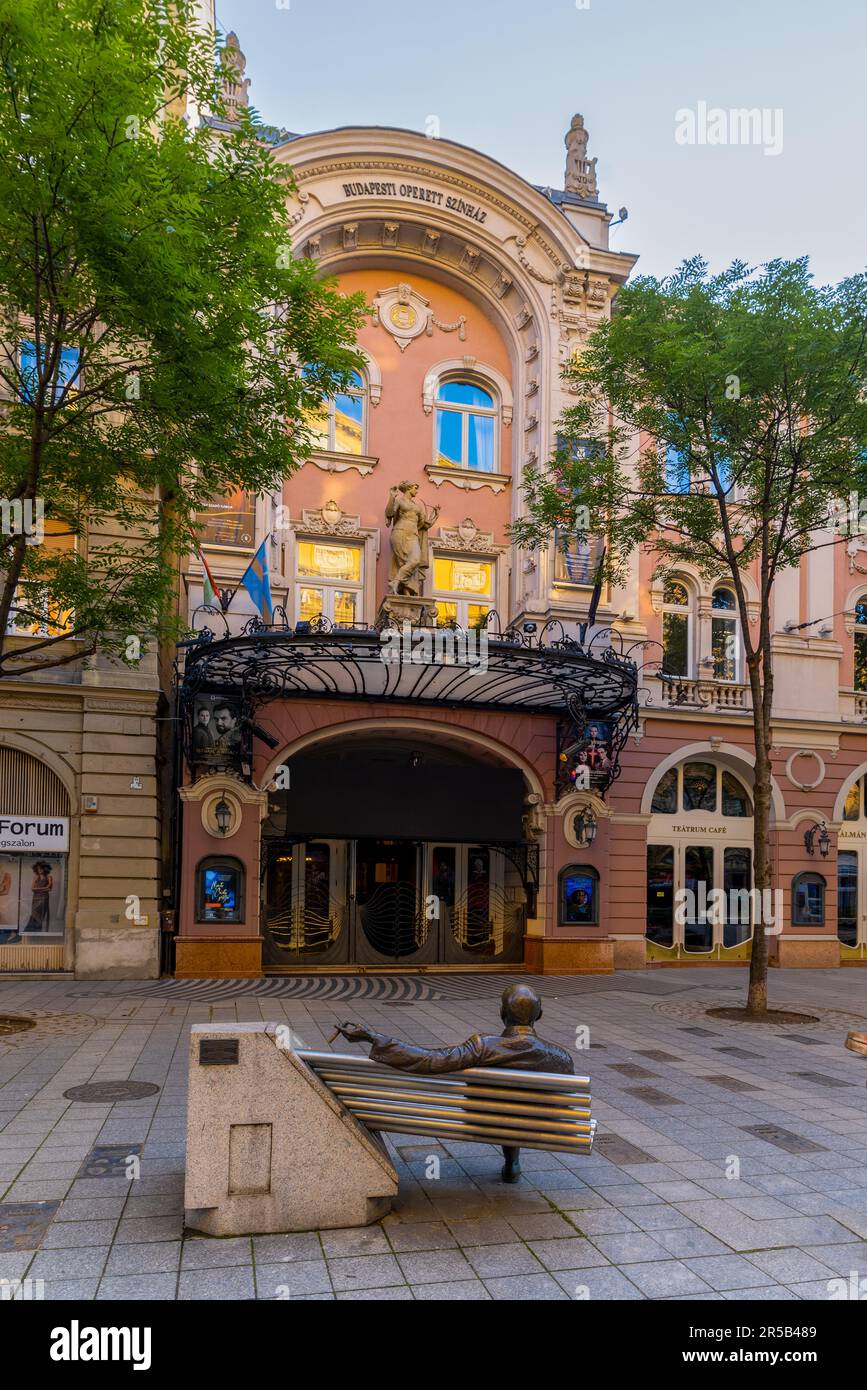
<point>396,843</point>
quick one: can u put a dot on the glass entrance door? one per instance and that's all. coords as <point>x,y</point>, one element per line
<point>852,903</point>
<point>715,910</point>
<point>391,925</point>
<point>304,907</point>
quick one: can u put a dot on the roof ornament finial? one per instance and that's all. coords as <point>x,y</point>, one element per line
<point>580,175</point>
<point>234,84</point>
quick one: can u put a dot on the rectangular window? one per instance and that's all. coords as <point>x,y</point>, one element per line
<point>724,648</point>
<point>698,880</point>
<point>576,561</point>
<point>737,882</point>
<point>34,612</point>
<point>675,642</point>
<point>67,368</point>
<point>331,584</point>
<point>463,590</point>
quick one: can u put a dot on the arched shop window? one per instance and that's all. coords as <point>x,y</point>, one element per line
<point>579,896</point>
<point>808,900</point>
<point>220,889</point>
<point>465,426</point>
<point>701,786</point>
<point>852,872</point>
<point>677,628</point>
<point>339,426</point>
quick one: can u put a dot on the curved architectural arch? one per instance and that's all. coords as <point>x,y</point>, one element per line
<point>737,760</point>
<point>424,728</point>
<point>845,787</point>
<point>45,755</point>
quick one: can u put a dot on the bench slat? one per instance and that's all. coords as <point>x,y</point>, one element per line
<point>464,1104</point>
<point>539,1100</point>
<point>529,1139</point>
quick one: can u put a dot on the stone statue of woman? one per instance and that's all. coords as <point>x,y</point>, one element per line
<point>410,522</point>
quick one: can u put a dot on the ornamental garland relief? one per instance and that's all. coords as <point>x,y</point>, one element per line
<point>406,315</point>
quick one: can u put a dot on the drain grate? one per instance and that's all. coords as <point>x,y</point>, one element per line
<point>819,1079</point>
<point>620,1151</point>
<point>109,1161</point>
<point>784,1139</point>
<point>651,1096</point>
<point>630,1069</point>
<point>23,1224</point>
<point>729,1083</point>
<point>11,1023</point>
<point>110,1092</point>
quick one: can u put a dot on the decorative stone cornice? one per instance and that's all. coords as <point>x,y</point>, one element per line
<point>466,537</point>
<point>470,479</point>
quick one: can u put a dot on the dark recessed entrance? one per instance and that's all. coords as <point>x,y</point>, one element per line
<point>390,851</point>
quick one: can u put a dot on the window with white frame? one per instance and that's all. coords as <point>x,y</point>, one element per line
<point>340,424</point>
<point>725,635</point>
<point>329,582</point>
<point>861,643</point>
<point>463,591</point>
<point>677,628</point>
<point>465,423</point>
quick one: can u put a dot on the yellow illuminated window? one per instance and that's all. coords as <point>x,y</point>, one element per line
<point>309,604</point>
<point>329,561</point>
<point>471,577</point>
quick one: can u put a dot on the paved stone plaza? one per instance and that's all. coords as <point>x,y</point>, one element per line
<point>656,1212</point>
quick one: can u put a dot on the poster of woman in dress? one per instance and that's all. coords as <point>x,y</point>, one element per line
<point>32,897</point>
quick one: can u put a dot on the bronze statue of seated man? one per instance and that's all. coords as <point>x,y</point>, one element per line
<point>517,1047</point>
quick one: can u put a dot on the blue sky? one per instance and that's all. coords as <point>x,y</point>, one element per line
<point>506,78</point>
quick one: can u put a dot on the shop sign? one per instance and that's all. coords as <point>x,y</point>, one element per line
<point>26,833</point>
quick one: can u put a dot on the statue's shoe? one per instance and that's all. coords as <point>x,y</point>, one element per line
<point>857,1042</point>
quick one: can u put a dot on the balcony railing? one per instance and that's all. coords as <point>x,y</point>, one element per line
<point>682,692</point>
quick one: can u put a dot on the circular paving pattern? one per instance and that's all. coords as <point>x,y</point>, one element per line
<point>9,1024</point>
<point>41,1025</point>
<point>108,1092</point>
<point>696,1011</point>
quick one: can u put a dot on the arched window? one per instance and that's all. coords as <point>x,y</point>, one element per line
<point>339,426</point>
<point>854,806</point>
<point>579,896</point>
<point>701,786</point>
<point>676,629</point>
<point>861,643</point>
<point>725,641</point>
<point>808,900</point>
<point>465,426</point>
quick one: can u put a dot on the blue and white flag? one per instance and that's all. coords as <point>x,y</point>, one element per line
<point>255,580</point>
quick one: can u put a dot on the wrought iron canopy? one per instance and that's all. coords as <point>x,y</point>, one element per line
<point>518,671</point>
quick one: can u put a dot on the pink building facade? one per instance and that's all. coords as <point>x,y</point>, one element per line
<point>383,817</point>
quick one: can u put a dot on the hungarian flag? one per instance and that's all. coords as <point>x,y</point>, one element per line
<point>210,592</point>
<point>257,583</point>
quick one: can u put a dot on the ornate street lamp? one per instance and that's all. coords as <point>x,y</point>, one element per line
<point>823,837</point>
<point>223,815</point>
<point>584,827</point>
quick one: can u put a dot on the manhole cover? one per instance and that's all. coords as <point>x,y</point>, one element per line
<point>107,1092</point>
<point>10,1024</point>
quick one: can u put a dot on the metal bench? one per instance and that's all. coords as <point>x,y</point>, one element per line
<point>488,1105</point>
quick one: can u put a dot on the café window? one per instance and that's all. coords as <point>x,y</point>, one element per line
<point>329,582</point>
<point>854,806</point>
<point>339,424</point>
<point>700,786</point>
<point>229,521</point>
<point>463,592</point>
<point>465,427</point>
<point>579,896</point>
<point>220,890</point>
<point>808,900</point>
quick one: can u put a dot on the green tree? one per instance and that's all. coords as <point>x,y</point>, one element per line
<point>153,319</point>
<point>728,418</point>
